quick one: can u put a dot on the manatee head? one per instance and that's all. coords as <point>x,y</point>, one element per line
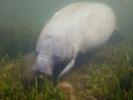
<point>43,65</point>
<point>44,60</point>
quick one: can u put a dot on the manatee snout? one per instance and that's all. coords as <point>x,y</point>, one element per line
<point>43,66</point>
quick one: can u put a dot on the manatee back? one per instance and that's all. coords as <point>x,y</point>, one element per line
<point>85,25</point>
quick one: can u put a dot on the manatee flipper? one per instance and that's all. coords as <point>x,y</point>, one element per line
<point>67,68</point>
<point>116,37</point>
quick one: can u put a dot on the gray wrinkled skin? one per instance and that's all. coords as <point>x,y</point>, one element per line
<point>76,28</point>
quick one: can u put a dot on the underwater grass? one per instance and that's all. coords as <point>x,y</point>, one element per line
<point>105,84</point>
<point>14,87</point>
<point>107,76</point>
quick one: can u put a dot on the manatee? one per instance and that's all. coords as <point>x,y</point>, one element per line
<point>78,27</point>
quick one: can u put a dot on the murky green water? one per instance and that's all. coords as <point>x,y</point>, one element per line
<point>38,12</point>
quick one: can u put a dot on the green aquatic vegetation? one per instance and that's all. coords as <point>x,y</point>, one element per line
<point>108,75</point>
<point>125,79</point>
<point>14,87</point>
<point>130,56</point>
<point>104,83</point>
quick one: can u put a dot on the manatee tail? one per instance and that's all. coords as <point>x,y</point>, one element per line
<point>68,89</point>
<point>116,37</point>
